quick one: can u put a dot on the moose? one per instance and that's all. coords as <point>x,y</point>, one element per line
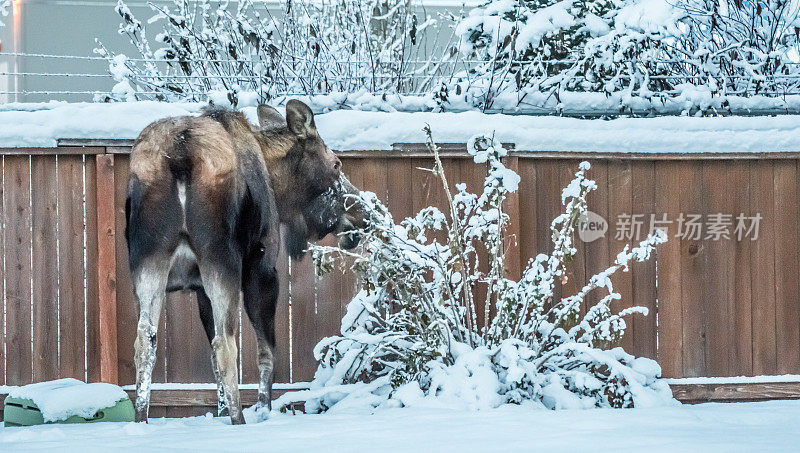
<point>206,199</point>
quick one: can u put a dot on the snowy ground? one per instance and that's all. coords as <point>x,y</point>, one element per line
<point>764,426</point>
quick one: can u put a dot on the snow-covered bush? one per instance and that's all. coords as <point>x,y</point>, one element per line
<point>698,54</point>
<point>243,55</point>
<point>412,332</point>
<point>741,46</point>
<point>524,43</point>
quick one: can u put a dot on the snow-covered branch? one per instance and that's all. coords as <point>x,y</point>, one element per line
<point>245,55</point>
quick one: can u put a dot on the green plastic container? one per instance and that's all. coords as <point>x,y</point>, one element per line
<point>24,412</point>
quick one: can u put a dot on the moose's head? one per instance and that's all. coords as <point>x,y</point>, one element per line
<point>313,196</point>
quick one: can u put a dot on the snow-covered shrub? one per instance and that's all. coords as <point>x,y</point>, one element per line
<point>698,54</point>
<point>524,43</point>
<point>242,55</point>
<point>412,332</point>
<point>632,56</point>
<point>741,46</point>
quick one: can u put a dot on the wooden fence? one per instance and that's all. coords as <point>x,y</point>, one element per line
<point>723,307</point>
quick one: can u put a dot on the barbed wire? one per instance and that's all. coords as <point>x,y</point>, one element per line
<point>302,58</point>
<point>777,85</point>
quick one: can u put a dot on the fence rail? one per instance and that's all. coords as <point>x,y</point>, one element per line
<point>718,308</point>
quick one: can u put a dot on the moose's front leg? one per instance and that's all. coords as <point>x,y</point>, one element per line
<point>150,286</point>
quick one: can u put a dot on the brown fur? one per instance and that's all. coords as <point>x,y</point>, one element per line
<point>214,153</point>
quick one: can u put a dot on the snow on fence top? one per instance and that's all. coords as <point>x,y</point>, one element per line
<point>41,125</point>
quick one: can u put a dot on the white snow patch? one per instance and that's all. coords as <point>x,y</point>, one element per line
<point>650,16</point>
<point>63,398</point>
<point>356,130</point>
<point>766,426</point>
<point>41,125</point>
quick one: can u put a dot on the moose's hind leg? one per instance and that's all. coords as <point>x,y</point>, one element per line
<point>150,283</point>
<point>207,318</point>
<point>222,287</point>
<point>260,289</point>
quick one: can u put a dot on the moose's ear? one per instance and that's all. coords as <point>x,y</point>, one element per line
<point>300,119</point>
<point>269,117</point>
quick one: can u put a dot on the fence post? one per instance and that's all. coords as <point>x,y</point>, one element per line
<point>107,269</point>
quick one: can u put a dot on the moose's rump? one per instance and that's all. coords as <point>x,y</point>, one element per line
<point>193,195</point>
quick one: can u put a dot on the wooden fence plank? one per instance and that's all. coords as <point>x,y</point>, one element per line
<point>620,198</point>
<point>332,293</point>
<point>399,199</point>
<point>717,257</point>
<point>511,236</point>
<point>127,309</point>
<point>787,270</point>
<point>92,316</point>
<point>107,266</point>
<point>668,183</point>
<point>528,231</point>
<point>44,268</point>
<point>2,273</point>
<point>372,175</point>
<point>739,302</point>
<point>597,256</point>
<point>548,206</point>
<point>71,271</point>
<point>643,274</point>
<point>18,270</point>
<point>304,320</point>
<point>282,322</point>
<point>692,259</point>
<point>762,269</point>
